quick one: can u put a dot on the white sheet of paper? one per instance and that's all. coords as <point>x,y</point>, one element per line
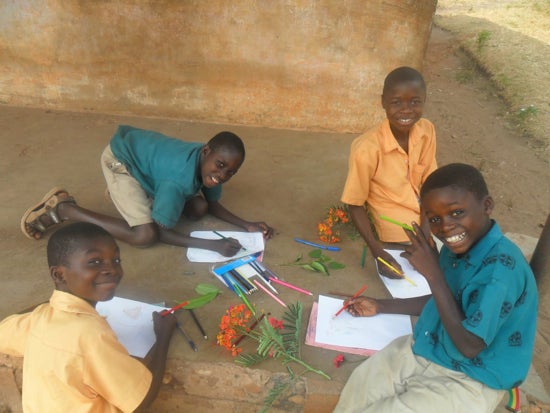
<point>252,241</point>
<point>400,288</point>
<point>132,322</point>
<point>372,333</point>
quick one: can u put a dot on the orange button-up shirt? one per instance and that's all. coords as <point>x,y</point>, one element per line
<point>386,178</point>
<point>73,361</point>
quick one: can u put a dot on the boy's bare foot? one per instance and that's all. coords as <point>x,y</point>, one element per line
<point>37,219</point>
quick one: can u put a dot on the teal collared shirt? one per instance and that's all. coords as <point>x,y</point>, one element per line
<point>496,289</point>
<point>168,170</point>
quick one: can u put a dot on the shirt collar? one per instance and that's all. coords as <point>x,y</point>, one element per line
<point>482,247</point>
<point>63,301</point>
<point>388,141</point>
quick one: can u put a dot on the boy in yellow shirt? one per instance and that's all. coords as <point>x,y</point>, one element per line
<point>73,361</point>
<point>388,164</point>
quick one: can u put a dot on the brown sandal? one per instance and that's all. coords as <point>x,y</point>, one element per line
<point>31,223</point>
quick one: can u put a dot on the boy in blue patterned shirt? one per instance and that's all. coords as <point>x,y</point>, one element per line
<point>475,335</point>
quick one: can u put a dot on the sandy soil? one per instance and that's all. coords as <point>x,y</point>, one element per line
<point>473,124</point>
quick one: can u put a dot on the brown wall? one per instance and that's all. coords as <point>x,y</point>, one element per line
<point>301,64</point>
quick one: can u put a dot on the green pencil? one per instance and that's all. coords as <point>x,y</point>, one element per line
<point>224,237</point>
<point>393,221</point>
<point>241,295</point>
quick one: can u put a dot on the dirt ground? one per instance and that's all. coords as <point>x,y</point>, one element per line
<point>288,180</point>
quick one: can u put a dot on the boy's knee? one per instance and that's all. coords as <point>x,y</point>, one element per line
<point>195,208</point>
<point>145,235</point>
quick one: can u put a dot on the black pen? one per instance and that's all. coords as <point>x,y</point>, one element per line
<point>197,322</point>
<point>191,343</point>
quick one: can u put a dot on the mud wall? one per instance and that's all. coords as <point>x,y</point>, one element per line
<point>301,64</point>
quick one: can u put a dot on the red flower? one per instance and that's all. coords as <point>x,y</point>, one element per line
<point>276,324</point>
<point>339,359</point>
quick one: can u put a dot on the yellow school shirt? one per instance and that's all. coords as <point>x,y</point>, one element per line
<point>73,361</point>
<point>387,179</point>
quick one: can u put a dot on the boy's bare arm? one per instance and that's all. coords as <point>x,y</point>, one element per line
<point>219,211</point>
<point>425,260</point>
<point>366,307</point>
<point>164,327</point>
<point>362,222</point>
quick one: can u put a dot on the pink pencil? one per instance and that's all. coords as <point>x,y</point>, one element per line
<point>277,281</point>
<point>269,293</point>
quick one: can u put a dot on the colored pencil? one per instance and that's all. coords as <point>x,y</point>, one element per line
<point>224,237</point>
<point>270,293</point>
<point>263,277</point>
<point>314,244</point>
<point>241,295</point>
<point>395,270</point>
<point>243,280</point>
<point>357,294</point>
<point>293,287</point>
<point>267,270</point>
<point>184,333</point>
<point>401,224</point>
<point>198,323</point>
<point>174,308</point>
<point>363,256</point>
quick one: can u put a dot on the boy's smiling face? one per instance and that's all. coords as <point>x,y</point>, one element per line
<point>404,105</point>
<point>218,167</point>
<point>457,217</point>
<point>92,272</point>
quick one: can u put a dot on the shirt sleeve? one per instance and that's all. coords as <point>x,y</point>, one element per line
<point>13,334</point>
<point>116,376</point>
<point>428,153</point>
<point>361,168</point>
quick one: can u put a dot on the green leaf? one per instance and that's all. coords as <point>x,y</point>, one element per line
<point>309,267</point>
<point>201,300</point>
<point>298,258</point>
<point>203,289</point>
<point>315,254</point>
<point>319,267</point>
<point>336,265</point>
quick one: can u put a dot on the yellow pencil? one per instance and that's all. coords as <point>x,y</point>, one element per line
<point>395,270</point>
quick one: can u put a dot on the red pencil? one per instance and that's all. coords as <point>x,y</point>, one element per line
<point>357,294</point>
<point>174,308</point>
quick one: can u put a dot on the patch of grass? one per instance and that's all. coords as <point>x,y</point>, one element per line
<point>543,7</point>
<point>526,113</point>
<point>502,80</point>
<point>464,76</point>
<point>482,39</point>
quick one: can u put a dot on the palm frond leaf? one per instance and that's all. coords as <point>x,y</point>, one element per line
<point>292,329</point>
<point>248,360</point>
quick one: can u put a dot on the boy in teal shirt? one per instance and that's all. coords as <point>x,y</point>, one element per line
<point>153,179</point>
<point>475,334</point>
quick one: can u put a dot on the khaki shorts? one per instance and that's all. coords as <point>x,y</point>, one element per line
<point>129,198</point>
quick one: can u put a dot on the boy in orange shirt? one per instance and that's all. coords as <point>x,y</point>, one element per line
<point>388,164</point>
<point>73,361</point>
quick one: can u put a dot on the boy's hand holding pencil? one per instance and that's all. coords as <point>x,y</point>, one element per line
<point>387,266</point>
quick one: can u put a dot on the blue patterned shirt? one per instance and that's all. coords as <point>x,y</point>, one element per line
<point>496,289</point>
<point>167,169</point>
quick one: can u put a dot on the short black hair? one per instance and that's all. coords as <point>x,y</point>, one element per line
<point>228,141</point>
<point>68,239</point>
<point>457,175</point>
<point>402,74</point>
